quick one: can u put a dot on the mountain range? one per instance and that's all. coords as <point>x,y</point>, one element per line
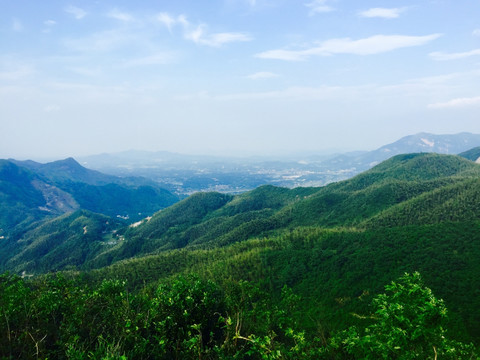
<point>334,245</point>
<point>33,196</point>
<point>187,174</point>
<point>421,142</point>
<point>32,192</point>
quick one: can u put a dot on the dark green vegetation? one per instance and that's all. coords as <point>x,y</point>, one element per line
<point>190,318</point>
<point>62,243</point>
<point>30,192</point>
<point>273,273</point>
<point>50,213</point>
<point>472,154</point>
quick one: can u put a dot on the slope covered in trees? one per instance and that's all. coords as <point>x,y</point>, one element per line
<point>413,189</point>
<point>335,271</point>
<point>64,242</point>
<point>34,191</point>
<point>191,318</point>
<point>447,181</point>
<point>32,195</point>
<point>472,154</point>
<point>20,199</point>
<point>296,270</point>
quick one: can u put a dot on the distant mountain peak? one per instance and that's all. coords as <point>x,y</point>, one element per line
<point>418,143</point>
<point>70,162</point>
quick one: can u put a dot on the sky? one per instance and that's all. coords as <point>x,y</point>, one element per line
<point>234,77</point>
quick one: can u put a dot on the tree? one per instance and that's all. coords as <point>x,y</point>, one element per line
<point>188,317</point>
<point>408,324</point>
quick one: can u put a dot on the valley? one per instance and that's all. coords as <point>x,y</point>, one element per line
<point>187,174</point>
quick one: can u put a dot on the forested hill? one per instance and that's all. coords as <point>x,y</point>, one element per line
<point>334,246</point>
<point>67,170</point>
<point>32,194</point>
<point>472,154</point>
<point>31,191</point>
<point>412,189</point>
<point>385,191</point>
<point>292,269</point>
<point>22,200</point>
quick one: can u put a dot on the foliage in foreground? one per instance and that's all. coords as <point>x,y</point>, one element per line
<point>408,324</point>
<point>190,318</point>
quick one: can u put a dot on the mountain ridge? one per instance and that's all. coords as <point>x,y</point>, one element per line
<point>333,245</point>
<point>67,170</point>
<point>30,192</point>
<point>421,142</point>
<point>186,174</point>
<point>348,203</point>
<point>472,154</point>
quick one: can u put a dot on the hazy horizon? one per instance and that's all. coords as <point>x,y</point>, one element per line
<point>220,155</point>
<point>234,77</point>
<point>285,155</point>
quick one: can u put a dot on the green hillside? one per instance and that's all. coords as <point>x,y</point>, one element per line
<point>458,201</point>
<point>133,203</point>
<point>273,273</point>
<point>31,192</point>
<point>347,203</point>
<point>472,154</point>
<point>334,271</point>
<point>20,199</point>
<point>420,166</point>
<point>63,243</point>
<point>67,170</point>
<point>392,182</point>
<point>206,220</point>
<point>40,213</point>
<point>413,189</point>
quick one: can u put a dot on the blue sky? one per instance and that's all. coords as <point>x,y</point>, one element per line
<point>238,77</point>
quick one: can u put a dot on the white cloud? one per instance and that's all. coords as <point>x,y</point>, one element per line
<point>76,12</point>
<point>476,32</point>
<point>372,45</point>
<point>167,20</point>
<point>156,59</point>
<point>195,34</point>
<point>262,75</point>
<point>49,24</point>
<point>119,15</point>
<point>199,34</point>
<point>386,13</point>
<point>182,20</point>
<point>375,44</point>
<point>456,103</point>
<point>17,26</point>
<point>319,6</point>
<point>287,55</point>
<point>441,56</point>
<point>219,39</point>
